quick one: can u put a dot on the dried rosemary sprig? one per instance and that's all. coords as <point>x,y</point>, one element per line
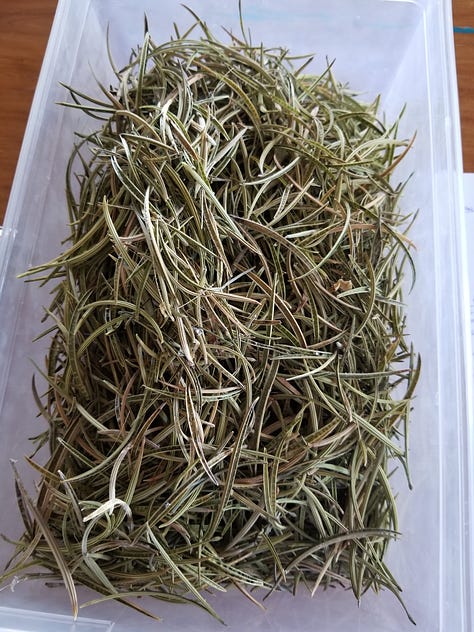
<point>227,334</point>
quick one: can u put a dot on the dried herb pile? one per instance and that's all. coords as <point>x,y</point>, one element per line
<point>227,334</point>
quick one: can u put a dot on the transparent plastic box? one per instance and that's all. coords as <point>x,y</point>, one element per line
<point>400,49</point>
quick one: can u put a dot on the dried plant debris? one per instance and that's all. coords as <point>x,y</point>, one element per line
<point>229,380</point>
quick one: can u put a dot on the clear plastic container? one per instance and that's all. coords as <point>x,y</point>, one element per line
<point>16,620</point>
<point>401,49</point>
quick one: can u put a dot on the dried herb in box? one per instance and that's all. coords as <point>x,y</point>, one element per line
<point>229,380</point>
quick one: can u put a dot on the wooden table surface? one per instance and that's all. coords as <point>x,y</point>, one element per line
<point>24,30</point>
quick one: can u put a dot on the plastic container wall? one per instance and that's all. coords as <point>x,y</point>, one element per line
<point>399,49</point>
<point>13,620</point>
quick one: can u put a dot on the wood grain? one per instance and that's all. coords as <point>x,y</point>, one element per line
<point>463,15</point>
<point>24,30</point>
